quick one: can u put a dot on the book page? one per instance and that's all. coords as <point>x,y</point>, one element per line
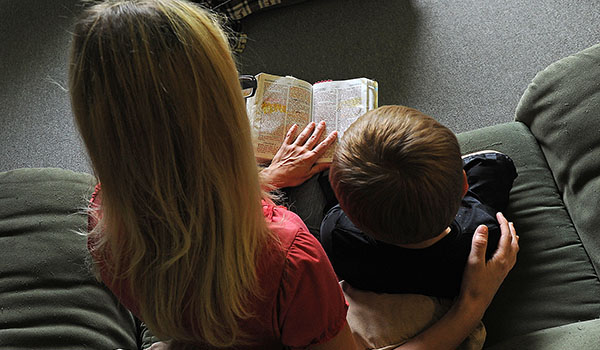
<point>279,103</point>
<point>340,103</point>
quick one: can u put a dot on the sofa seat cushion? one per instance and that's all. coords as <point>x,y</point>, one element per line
<point>580,335</point>
<point>554,282</point>
<point>50,300</point>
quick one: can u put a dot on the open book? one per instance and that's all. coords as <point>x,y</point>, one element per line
<point>280,102</point>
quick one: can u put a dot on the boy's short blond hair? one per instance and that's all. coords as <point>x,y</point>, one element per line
<point>397,174</point>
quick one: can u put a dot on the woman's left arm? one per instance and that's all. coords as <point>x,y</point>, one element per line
<point>295,161</point>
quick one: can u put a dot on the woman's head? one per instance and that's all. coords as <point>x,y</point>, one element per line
<point>149,80</point>
<point>156,98</point>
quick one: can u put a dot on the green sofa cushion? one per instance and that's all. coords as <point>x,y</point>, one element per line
<point>553,282</point>
<point>580,335</point>
<point>49,299</point>
<point>562,108</point>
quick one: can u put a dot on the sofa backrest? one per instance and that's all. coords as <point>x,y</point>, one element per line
<point>561,107</point>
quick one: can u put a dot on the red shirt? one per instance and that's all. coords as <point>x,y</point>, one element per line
<point>302,302</point>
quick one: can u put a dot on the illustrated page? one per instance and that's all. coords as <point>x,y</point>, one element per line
<point>278,104</point>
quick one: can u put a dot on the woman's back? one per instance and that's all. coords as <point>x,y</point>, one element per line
<point>299,303</point>
<point>156,97</point>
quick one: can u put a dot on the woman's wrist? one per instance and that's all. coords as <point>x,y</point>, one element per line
<point>470,307</point>
<point>268,180</point>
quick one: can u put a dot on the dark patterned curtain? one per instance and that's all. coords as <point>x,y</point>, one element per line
<point>235,10</point>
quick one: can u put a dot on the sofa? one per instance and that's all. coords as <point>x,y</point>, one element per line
<point>551,299</point>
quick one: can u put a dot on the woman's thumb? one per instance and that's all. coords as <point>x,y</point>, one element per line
<point>479,242</point>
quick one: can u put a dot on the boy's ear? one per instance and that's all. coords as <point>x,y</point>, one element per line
<point>465,184</point>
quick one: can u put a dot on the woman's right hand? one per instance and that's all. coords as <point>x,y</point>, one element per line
<point>296,159</point>
<point>482,278</point>
<point>481,281</point>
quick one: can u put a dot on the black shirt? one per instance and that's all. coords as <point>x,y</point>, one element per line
<point>368,264</point>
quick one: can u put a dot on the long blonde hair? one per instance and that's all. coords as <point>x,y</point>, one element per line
<point>157,101</point>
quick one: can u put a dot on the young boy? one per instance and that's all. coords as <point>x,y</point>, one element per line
<point>409,204</point>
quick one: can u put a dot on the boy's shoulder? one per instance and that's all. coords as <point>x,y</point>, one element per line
<point>336,222</point>
<point>341,239</point>
<point>373,265</point>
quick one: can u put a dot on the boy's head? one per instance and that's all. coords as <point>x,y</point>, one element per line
<point>398,175</point>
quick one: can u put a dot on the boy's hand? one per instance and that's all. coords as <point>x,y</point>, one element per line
<point>295,160</point>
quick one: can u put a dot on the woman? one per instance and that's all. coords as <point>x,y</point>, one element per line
<point>180,230</point>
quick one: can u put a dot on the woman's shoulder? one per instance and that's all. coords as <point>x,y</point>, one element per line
<point>285,225</point>
<point>296,250</point>
<point>307,285</point>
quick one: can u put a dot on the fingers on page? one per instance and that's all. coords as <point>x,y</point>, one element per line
<point>304,134</point>
<point>316,135</point>
<point>322,147</point>
<point>290,134</point>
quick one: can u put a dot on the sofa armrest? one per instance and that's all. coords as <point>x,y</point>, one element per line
<point>562,109</point>
<point>553,282</point>
<point>50,299</point>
